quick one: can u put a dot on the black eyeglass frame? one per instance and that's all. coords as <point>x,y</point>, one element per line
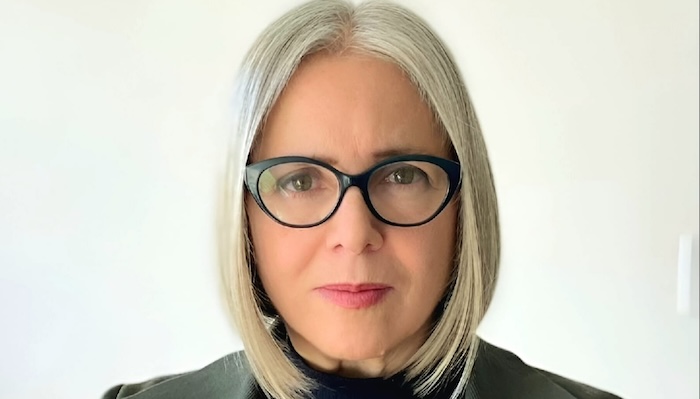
<point>361,181</point>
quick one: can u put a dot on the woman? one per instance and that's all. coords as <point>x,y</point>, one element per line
<point>360,236</point>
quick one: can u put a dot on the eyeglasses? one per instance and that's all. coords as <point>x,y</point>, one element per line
<point>407,190</point>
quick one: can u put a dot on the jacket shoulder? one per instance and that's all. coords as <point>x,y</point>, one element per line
<point>229,377</point>
<point>499,373</point>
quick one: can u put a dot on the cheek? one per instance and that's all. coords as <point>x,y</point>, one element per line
<point>435,246</point>
<point>280,253</point>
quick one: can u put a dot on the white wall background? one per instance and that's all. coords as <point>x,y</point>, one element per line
<point>113,118</point>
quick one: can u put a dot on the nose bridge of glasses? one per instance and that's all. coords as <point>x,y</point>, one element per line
<point>360,181</point>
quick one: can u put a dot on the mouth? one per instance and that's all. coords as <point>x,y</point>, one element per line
<point>354,296</point>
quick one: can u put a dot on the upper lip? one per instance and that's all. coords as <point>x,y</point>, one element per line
<point>355,287</point>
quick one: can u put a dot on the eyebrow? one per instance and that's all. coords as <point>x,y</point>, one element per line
<point>376,155</point>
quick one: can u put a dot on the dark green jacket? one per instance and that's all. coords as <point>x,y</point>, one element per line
<point>497,374</point>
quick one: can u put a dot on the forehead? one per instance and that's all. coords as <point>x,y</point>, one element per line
<point>350,110</point>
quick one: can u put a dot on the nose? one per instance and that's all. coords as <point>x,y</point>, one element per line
<point>353,228</point>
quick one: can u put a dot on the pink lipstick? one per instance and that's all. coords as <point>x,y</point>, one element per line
<point>354,296</point>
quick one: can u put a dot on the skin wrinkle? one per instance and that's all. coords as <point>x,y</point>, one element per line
<point>351,108</point>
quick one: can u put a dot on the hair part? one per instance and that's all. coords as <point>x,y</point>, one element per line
<point>393,33</point>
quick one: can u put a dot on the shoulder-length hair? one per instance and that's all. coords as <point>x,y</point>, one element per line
<point>392,33</point>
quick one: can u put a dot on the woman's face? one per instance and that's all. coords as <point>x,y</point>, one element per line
<point>351,111</point>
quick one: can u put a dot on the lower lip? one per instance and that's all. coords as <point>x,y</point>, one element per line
<point>354,299</point>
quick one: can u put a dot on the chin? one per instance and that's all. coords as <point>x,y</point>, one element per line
<point>357,342</point>
<point>356,335</point>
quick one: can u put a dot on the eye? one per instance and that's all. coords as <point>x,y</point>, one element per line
<point>300,182</point>
<point>405,175</point>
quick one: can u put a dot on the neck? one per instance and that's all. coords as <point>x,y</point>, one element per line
<point>384,364</point>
